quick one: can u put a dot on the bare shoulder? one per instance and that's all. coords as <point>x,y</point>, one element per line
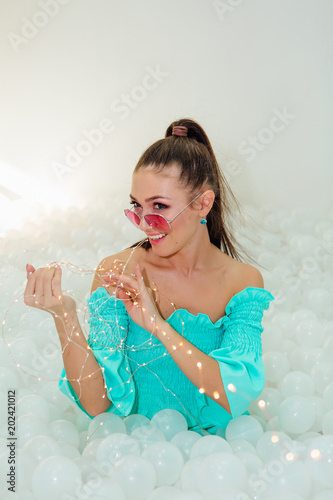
<point>129,257</point>
<point>243,275</point>
<point>247,275</point>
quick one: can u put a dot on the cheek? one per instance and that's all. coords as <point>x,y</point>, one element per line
<point>183,229</point>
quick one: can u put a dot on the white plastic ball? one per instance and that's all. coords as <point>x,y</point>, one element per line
<point>273,424</point>
<point>327,424</point>
<point>308,437</point>
<point>19,495</point>
<point>26,355</point>
<point>54,477</point>
<point>184,441</point>
<point>307,244</point>
<point>320,411</point>
<point>50,391</point>
<point>102,488</point>
<point>62,430</point>
<point>69,450</point>
<point>252,462</point>
<point>302,315</point>
<point>115,446</point>
<point>313,357</point>
<point>296,414</point>
<point>167,461</point>
<point>42,447</point>
<point>272,338</point>
<point>136,475</point>
<point>271,444</point>
<point>288,477</point>
<point>324,495</point>
<point>82,421</point>
<point>310,333</point>
<point>105,424</point>
<point>26,464</point>
<point>244,427</point>
<point>86,467</point>
<point>328,348</point>
<point>322,376</point>
<point>283,320</point>
<point>298,357</point>
<point>221,471</point>
<point>267,404</point>
<point>208,445</point>
<point>133,421</point>
<point>297,383</point>
<point>319,299</point>
<point>170,422</point>
<point>147,435</point>
<point>34,404</point>
<point>189,473</point>
<point>328,396</point>
<point>319,460</point>
<point>55,412</point>
<point>166,493</point>
<point>91,447</point>
<point>276,366</point>
<point>29,426</point>
<point>8,379</point>
<point>238,445</point>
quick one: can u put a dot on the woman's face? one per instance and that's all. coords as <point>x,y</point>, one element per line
<point>161,193</point>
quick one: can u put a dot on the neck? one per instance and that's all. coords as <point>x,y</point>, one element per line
<point>193,257</point>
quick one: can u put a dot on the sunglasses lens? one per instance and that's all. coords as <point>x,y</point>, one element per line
<point>157,222</point>
<point>133,217</point>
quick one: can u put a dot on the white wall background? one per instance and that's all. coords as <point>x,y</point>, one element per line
<point>71,66</point>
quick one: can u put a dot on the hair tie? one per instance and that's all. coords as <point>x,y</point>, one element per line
<point>179,130</point>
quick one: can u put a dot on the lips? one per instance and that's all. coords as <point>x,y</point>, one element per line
<point>155,239</point>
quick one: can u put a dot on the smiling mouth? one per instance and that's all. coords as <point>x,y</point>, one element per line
<point>157,237</point>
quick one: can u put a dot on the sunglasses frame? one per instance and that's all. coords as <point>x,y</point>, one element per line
<point>143,216</point>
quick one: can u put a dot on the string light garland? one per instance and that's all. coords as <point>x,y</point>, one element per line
<point>108,335</point>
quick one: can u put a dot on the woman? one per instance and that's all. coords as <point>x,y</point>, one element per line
<point>175,321</point>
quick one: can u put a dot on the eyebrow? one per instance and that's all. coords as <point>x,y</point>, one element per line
<point>152,198</point>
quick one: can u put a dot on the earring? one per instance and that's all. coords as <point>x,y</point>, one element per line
<point>203,221</point>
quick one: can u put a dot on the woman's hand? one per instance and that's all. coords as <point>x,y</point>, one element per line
<point>43,291</point>
<point>136,297</point>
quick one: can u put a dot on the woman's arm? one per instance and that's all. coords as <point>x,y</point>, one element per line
<point>82,370</point>
<point>43,291</point>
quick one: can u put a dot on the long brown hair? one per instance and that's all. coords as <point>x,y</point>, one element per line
<point>198,167</point>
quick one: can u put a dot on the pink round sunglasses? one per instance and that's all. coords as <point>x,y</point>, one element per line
<point>155,221</point>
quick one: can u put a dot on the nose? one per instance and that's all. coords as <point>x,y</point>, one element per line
<point>143,224</point>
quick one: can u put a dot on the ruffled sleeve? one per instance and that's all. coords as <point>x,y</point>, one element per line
<point>240,355</point>
<point>108,326</point>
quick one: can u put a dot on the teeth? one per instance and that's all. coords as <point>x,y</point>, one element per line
<point>157,237</point>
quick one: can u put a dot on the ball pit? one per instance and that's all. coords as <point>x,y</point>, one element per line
<point>283,449</point>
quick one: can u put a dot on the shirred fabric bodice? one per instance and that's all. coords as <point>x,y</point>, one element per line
<point>141,377</point>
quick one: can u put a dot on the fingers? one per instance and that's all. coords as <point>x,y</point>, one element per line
<point>39,290</point>
<point>30,289</point>
<point>125,282</point>
<point>57,282</point>
<point>30,269</point>
<point>48,276</point>
<point>140,277</point>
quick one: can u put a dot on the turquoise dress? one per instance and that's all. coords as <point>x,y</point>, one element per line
<point>141,377</point>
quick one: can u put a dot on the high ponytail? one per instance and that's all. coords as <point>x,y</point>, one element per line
<point>198,167</point>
